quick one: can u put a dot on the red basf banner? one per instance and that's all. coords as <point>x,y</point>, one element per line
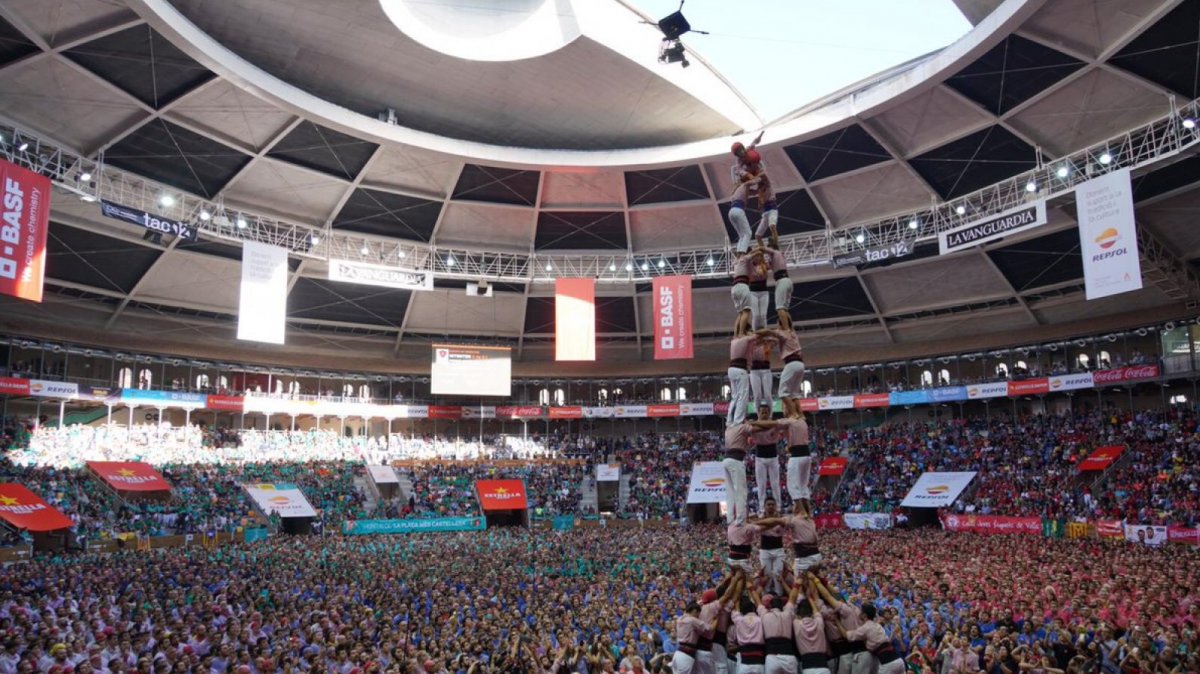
<point>992,524</point>
<point>24,218</point>
<point>25,510</point>
<point>501,494</point>
<point>1102,458</point>
<point>129,475</point>
<point>832,466</point>
<point>672,304</point>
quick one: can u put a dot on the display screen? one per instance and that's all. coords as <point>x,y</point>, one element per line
<point>471,370</point>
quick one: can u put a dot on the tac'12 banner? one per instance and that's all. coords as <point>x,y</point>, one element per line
<point>672,297</point>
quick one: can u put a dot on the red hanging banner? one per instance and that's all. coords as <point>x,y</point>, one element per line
<point>671,302</point>
<point>24,219</point>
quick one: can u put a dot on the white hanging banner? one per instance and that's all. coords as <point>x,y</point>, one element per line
<point>608,472</point>
<point>262,308</point>
<point>937,490</point>
<point>379,275</point>
<point>1108,235</point>
<point>708,483</point>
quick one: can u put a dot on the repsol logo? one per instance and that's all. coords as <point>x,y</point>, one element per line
<point>1109,254</point>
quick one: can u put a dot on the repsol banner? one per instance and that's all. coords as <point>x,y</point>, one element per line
<point>998,226</point>
<point>150,221</point>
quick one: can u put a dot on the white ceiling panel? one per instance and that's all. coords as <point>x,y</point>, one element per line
<point>61,102</point>
<point>504,228</point>
<point>1094,107</point>
<point>62,21</point>
<point>967,324</point>
<point>674,228</point>
<point>934,283</point>
<point>871,195</point>
<point>1089,26</point>
<point>201,281</point>
<point>286,190</point>
<point>1058,311</point>
<point>450,310</point>
<point>928,121</point>
<point>225,111</point>
<point>414,169</point>
<point>583,189</point>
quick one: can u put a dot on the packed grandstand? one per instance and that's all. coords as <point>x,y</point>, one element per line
<point>433,368</point>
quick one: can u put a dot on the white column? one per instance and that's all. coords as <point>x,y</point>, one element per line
<point>62,411</point>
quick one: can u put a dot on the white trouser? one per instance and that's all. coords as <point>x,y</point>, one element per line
<point>682,663</point>
<point>791,380</point>
<point>894,667</point>
<point>803,564</point>
<point>766,473</point>
<point>740,292</point>
<point>863,662</point>
<point>783,293</point>
<point>815,670</point>
<point>760,387</point>
<point>739,396</point>
<point>704,662</point>
<point>760,301</point>
<point>799,471</point>
<point>770,218</point>
<point>735,494</point>
<point>741,225</point>
<point>773,564</point>
<point>750,669</point>
<point>720,658</point>
<point>780,664</point>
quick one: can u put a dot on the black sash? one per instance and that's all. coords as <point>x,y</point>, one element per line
<point>780,646</point>
<point>814,661</point>
<point>780,274</point>
<point>799,451</point>
<point>770,451</point>
<point>771,542</point>
<point>739,551</point>
<point>758,286</point>
<point>794,358</point>
<point>760,365</point>
<point>805,549</point>
<point>738,454</point>
<point>739,363</point>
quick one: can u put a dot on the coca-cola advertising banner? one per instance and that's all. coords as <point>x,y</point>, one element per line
<point>1124,374</point>
<point>721,408</point>
<point>516,412</point>
<point>24,219</point>
<point>993,524</point>
<point>672,305</point>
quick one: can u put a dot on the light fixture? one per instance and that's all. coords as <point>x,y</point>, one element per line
<point>449,261</point>
<point>315,239</point>
<point>1106,158</point>
<point>88,198</point>
<point>662,263</point>
<point>1188,123</point>
<point>645,266</point>
<point>22,147</point>
<point>612,266</point>
<point>364,250</point>
<point>860,237</point>
<point>205,215</point>
<point>914,223</point>
<point>241,222</point>
<point>549,267</point>
<point>960,209</point>
<point>85,176</point>
<point>1031,186</point>
<point>628,266</point>
<point>1062,171</point>
<point>166,201</point>
<point>401,254</point>
<point>710,262</point>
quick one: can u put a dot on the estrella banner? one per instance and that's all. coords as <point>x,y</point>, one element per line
<point>1102,458</point>
<point>832,466</point>
<point>501,494</point>
<point>129,476</point>
<point>566,412</point>
<point>14,386</point>
<point>869,400</point>
<point>1029,387</point>
<point>26,510</point>
<point>413,526</point>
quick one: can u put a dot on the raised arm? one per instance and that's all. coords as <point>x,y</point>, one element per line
<point>826,595</point>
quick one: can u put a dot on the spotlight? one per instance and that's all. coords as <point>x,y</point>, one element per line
<point>205,215</point>
<point>1188,123</point>
<point>241,222</point>
<point>961,210</point>
<point>364,250</point>
<point>628,266</point>
<point>315,239</point>
<point>85,176</point>
<point>166,201</point>
<point>1062,172</point>
<point>22,147</point>
<point>1106,158</point>
<point>661,264</point>
<point>1031,186</point>
<point>401,255</point>
<point>914,223</point>
<point>449,261</point>
<point>645,266</point>
<point>710,262</point>
<point>612,266</point>
<point>860,237</point>
<point>549,267</point>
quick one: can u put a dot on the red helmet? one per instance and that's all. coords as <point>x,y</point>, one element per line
<point>737,149</point>
<point>752,157</point>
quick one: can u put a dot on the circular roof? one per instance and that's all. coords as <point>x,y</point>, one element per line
<point>268,109</point>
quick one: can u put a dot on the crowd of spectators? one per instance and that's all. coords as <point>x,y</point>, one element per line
<point>585,601</point>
